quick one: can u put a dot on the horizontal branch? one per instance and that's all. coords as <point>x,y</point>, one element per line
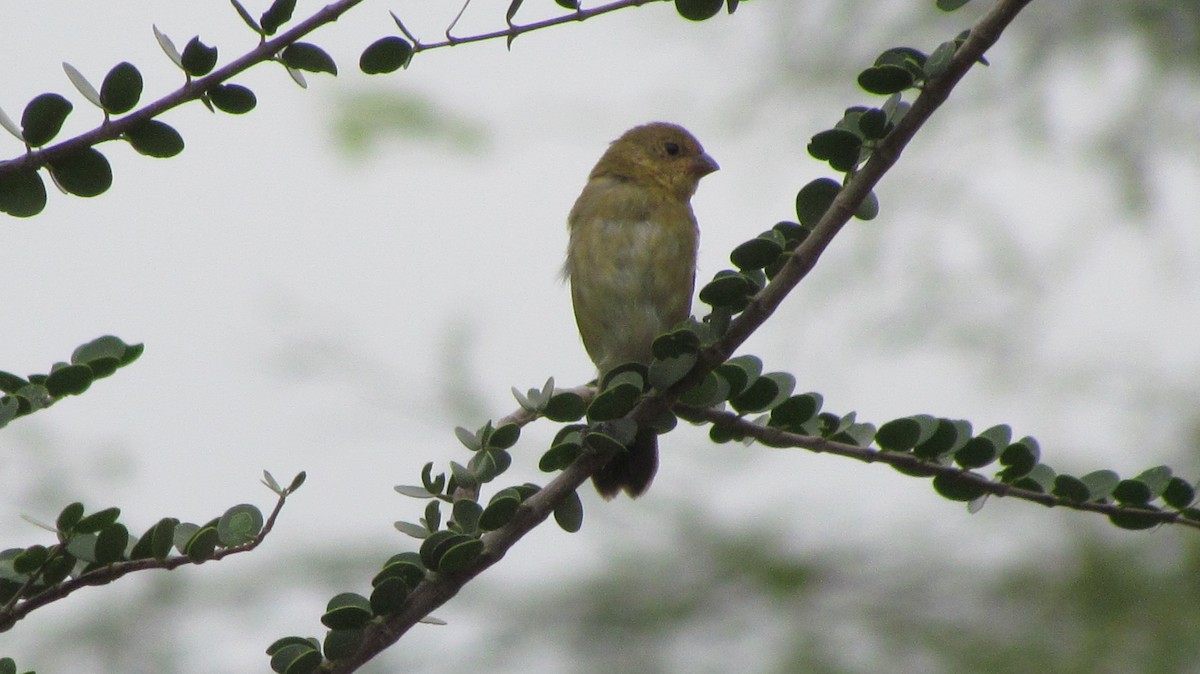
<point>914,465</point>
<point>107,574</point>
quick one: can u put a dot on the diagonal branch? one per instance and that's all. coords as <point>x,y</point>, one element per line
<point>190,91</point>
<point>437,589</point>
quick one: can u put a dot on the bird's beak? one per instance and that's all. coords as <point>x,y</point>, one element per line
<point>704,165</point>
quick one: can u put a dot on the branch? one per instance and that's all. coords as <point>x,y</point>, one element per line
<point>914,465</point>
<point>982,36</point>
<point>514,30</point>
<point>190,91</point>
<point>437,589</point>
<point>10,615</point>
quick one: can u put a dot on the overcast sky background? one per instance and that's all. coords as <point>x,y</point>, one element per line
<point>309,307</point>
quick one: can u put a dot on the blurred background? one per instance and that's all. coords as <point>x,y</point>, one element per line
<point>334,281</point>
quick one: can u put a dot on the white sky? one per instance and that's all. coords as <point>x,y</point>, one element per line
<point>297,303</point>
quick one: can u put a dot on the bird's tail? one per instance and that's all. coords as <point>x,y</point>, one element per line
<point>631,470</point>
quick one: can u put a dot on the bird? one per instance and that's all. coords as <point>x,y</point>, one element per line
<point>631,265</point>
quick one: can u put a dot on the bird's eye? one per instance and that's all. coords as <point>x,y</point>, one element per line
<point>672,149</point>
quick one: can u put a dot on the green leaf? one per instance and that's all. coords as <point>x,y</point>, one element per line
<point>1135,520</point>
<point>676,343</point>
<point>388,596</point>
<point>839,147</point>
<point>764,393</point>
<point>198,59</point>
<point>340,644</point>
<point>245,14</point>
<point>159,539</point>
<point>1155,479</point>
<point>873,124</point>
<point>869,208</point>
<point>568,4</point>
<point>310,57</point>
<point>347,610</point>
<point>984,448</point>
<point>82,85</point>
<point>885,79</point>
<point>460,556</point>
<point>569,513</point>
<point>279,13</point>
<point>121,89</point>
<point>1178,493</point>
<point>614,402</point>
<point>902,435</point>
<point>1071,489</point>
<point>232,98</point>
<point>1100,484</point>
<point>43,118</point>
<point>1040,479</point>
<point>559,456</point>
<point>794,413</point>
<point>567,406</point>
<point>712,391</point>
<point>84,173</point>
<point>698,10</point>
<point>97,521</point>
<point>950,5</point>
<point>435,545</point>
<point>155,139</point>
<point>433,515</point>
<point>1019,458</point>
<point>740,372</point>
<point>386,55</point>
<point>22,194</point>
<point>69,517</point>
<point>499,511</point>
<point>665,372</point>
<point>504,437</point>
<point>1132,493</point>
<point>239,525</point>
<point>908,58</point>
<point>30,560</point>
<point>728,289</point>
<point>466,515</point>
<point>489,464</point>
<point>202,545</point>
<point>814,199</point>
<point>296,659</point>
<point>468,438</point>
<point>957,488</point>
<point>168,46</point>
<point>69,380</point>
<point>758,252</point>
<point>410,529</point>
<point>111,544</point>
<point>939,60</point>
<point>58,568</point>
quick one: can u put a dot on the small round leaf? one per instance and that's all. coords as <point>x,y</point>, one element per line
<point>43,118</point>
<point>698,10</point>
<point>121,89</point>
<point>232,98</point>
<point>84,173</point>
<point>386,55</point>
<point>155,139</point>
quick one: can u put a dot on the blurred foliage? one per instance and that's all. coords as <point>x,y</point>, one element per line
<point>713,600</point>
<point>366,120</point>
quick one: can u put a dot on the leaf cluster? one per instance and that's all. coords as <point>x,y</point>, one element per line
<point>94,360</point>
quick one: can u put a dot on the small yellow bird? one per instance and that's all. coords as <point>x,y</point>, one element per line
<point>631,263</point>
